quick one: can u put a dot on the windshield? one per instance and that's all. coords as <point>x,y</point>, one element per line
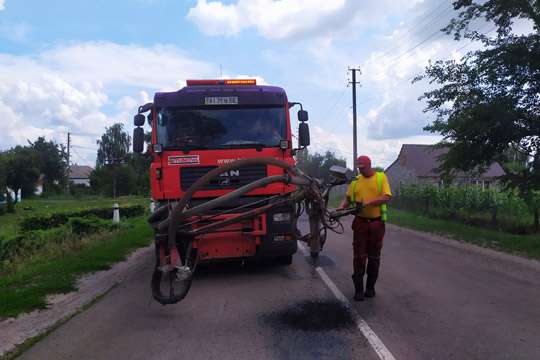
<point>220,127</point>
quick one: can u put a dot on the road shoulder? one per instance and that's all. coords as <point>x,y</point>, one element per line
<point>16,331</point>
<point>462,245</point>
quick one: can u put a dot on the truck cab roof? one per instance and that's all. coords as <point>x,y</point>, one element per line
<point>249,95</point>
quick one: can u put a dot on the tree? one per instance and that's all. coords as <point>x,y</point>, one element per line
<point>22,170</point>
<point>487,104</point>
<point>113,150</point>
<point>113,146</point>
<point>101,180</point>
<point>52,162</point>
<point>3,172</point>
<point>141,166</point>
<point>318,165</point>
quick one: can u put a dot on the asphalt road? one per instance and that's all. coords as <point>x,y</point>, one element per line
<point>435,300</point>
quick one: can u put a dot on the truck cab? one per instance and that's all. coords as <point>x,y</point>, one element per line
<point>210,123</point>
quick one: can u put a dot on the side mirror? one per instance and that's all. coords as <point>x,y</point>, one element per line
<point>302,115</point>
<point>138,140</point>
<point>138,120</point>
<point>144,108</point>
<point>149,118</point>
<point>303,135</point>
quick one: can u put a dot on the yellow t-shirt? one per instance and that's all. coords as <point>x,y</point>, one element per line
<point>366,190</point>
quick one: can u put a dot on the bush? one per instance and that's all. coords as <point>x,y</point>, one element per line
<point>47,221</point>
<point>25,244</point>
<point>89,225</point>
<point>32,241</point>
<point>80,190</point>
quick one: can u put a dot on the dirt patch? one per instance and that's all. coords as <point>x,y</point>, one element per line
<point>313,316</point>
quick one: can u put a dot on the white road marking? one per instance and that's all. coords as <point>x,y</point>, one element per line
<point>378,346</point>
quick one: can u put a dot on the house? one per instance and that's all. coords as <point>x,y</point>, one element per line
<point>80,174</point>
<point>418,164</point>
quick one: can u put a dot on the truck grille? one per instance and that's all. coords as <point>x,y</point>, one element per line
<point>231,180</point>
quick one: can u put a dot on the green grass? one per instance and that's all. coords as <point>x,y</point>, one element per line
<point>25,287</point>
<point>9,222</point>
<point>527,245</point>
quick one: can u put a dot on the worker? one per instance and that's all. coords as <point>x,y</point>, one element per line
<point>370,191</point>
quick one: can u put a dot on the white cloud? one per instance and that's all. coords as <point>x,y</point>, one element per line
<point>83,88</point>
<point>381,151</point>
<point>273,19</point>
<point>279,19</point>
<point>2,4</point>
<point>389,113</point>
<point>162,67</point>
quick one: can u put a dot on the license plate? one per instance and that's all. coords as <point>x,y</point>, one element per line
<point>221,100</point>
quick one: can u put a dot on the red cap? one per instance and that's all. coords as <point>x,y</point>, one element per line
<point>363,161</point>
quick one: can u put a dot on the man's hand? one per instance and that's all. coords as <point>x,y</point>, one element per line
<point>378,201</point>
<point>344,204</point>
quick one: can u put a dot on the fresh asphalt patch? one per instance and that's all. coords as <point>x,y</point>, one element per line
<point>312,316</point>
<point>312,329</point>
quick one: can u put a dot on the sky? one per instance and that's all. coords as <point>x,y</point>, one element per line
<point>81,66</point>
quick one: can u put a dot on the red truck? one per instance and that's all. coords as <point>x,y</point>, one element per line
<point>210,123</point>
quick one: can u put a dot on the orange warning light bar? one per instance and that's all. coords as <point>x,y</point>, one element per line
<point>241,82</point>
<point>221,82</point>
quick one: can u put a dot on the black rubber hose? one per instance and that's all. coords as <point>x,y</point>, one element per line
<point>160,213</point>
<point>177,209</point>
<point>209,205</point>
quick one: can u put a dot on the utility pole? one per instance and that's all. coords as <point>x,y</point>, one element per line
<point>355,145</point>
<point>68,158</point>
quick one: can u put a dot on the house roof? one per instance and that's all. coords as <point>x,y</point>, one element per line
<point>423,160</point>
<point>80,171</point>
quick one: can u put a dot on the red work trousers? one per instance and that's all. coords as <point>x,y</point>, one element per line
<point>367,245</point>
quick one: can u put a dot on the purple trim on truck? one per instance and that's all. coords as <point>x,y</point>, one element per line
<point>247,95</point>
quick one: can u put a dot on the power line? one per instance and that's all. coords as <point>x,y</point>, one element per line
<point>371,98</point>
<point>419,27</point>
<point>84,147</point>
<point>434,35</point>
<point>338,99</point>
<point>78,156</point>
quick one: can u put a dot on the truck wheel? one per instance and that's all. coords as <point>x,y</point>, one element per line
<point>314,254</point>
<point>285,260</point>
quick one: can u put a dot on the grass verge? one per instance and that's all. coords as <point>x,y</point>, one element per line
<point>526,245</point>
<point>25,288</point>
<point>19,349</point>
<point>9,223</point>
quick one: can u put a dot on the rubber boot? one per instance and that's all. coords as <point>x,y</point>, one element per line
<point>372,275</point>
<point>370,286</point>
<point>358,287</point>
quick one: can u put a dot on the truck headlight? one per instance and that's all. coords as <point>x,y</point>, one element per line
<point>282,217</point>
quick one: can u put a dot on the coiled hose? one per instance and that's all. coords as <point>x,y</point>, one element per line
<point>168,219</point>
